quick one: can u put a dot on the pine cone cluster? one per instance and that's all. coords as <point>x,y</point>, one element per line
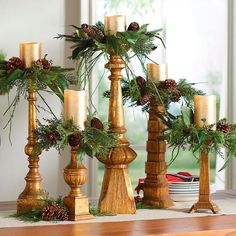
<point>140,81</point>
<point>14,63</point>
<point>45,63</point>
<point>96,123</point>
<point>93,32</point>
<point>53,136</point>
<point>170,84</point>
<point>54,212</point>
<point>144,99</point>
<point>223,127</point>
<point>74,139</point>
<point>134,26</point>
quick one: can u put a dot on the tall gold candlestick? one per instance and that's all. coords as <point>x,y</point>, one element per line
<point>33,194</point>
<point>116,193</point>
<point>156,188</point>
<point>75,173</point>
<point>204,108</point>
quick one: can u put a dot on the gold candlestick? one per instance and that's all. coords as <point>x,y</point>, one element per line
<point>156,187</point>
<point>75,175</point>
<point>33,194</point>
<point>116,193</point>
<point>204,108</point>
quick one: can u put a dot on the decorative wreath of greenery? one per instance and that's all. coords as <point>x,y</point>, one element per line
<point>94,140</point>
<point>139,92</point>
<point>89,39</point>
<point>182,133</point>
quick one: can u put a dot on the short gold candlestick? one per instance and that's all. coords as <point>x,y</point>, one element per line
<point>204,201</point>
<point>155,189</point>
<point>33,194</point>
<point>75,175</point>
<point>116,193</point>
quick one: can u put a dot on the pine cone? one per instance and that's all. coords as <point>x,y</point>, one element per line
<point>170,84</point>
<point>223,127</point>
<point>144,99</point>
<point>96,123</point>
<point>14,63</point>
<point>53,136</point>
<point>134,26</point>
<point>176,95</point>
<point>45,63</point>
<point>50,211</point>
<point>74,139</point>
<point>140,81</point>
<point>62,214</point>
<point>93,32</point>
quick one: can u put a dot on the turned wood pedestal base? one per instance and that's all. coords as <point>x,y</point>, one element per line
<point>204,201</point>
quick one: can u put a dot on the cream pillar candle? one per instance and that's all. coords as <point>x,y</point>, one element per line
<point>114,23</point>
<point>30,52</point>
<point>204,108</point>
<point>75,107</point>
<point>157,72</point>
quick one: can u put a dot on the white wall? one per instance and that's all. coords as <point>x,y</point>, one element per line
<point>24,21</point>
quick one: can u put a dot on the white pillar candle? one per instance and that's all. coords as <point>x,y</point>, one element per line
<point>204,108</point>
<point>114,23</point>
<point>30,52</point>
<point>75,107</point>
<point>157,72</point>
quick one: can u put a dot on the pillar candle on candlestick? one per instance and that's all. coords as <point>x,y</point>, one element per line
<point>204,108</point>
<point>114,23</point>
<point>157,72</point>
<point>75,107</point>
<point>30,52</point>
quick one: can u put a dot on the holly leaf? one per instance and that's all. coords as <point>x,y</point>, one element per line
<point>187,115</point>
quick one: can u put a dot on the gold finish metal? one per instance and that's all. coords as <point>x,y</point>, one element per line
<point>33,194</point>
<point>156,189</point>
<point>75,175</point>
<point>204,201</point>
<point>116,193</point>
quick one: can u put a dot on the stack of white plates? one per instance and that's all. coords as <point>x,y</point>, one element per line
<point>184,191</point>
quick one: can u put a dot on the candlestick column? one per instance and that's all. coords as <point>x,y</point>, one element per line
<point>32,194</point>
<point>156,188</point>
<point>204,109</point>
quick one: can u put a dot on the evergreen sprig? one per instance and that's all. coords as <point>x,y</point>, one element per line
<point>182,133</point>
<point>93,140</point>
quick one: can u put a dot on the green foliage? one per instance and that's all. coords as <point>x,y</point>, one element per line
<point>93,141</point>
<point>95,212</point>
<point>141,205</point>
<point>183,133</point>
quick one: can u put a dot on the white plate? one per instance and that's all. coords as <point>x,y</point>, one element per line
<point>184,183</point>
<point>183,192</point>
<point>184,197</point>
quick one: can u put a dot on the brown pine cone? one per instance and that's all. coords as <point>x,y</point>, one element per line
<point>74,139</point>
<point>223,127</point>
<point>140,81</point>
<point>93,32</point>
<point>144,99</point>
<point>96,123</point>
<point>170,84</point>
<point>176,95</point>
<point>14,63</point>
<point>45,63</point>
<point>53,136</point>
<point>49,212</point>
<point>62,214</point>
<point>134,26</point>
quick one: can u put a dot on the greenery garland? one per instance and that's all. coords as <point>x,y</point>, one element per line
<point>90,43</point>
<point>139,92</point>
<point>95,140</point>
<point>182,133</point>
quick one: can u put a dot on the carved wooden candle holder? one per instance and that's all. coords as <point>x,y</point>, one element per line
<point>204,201</point>
<point>75,175</point>
<point>156,188</point>
<point>32,195</point>
<point>116,193</point>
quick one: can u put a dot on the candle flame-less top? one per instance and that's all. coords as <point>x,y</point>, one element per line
<point>75,107</point>
<point>114,23</point>
<point>204,108</point>
<point>157,72</point>
<point>30,52</point>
